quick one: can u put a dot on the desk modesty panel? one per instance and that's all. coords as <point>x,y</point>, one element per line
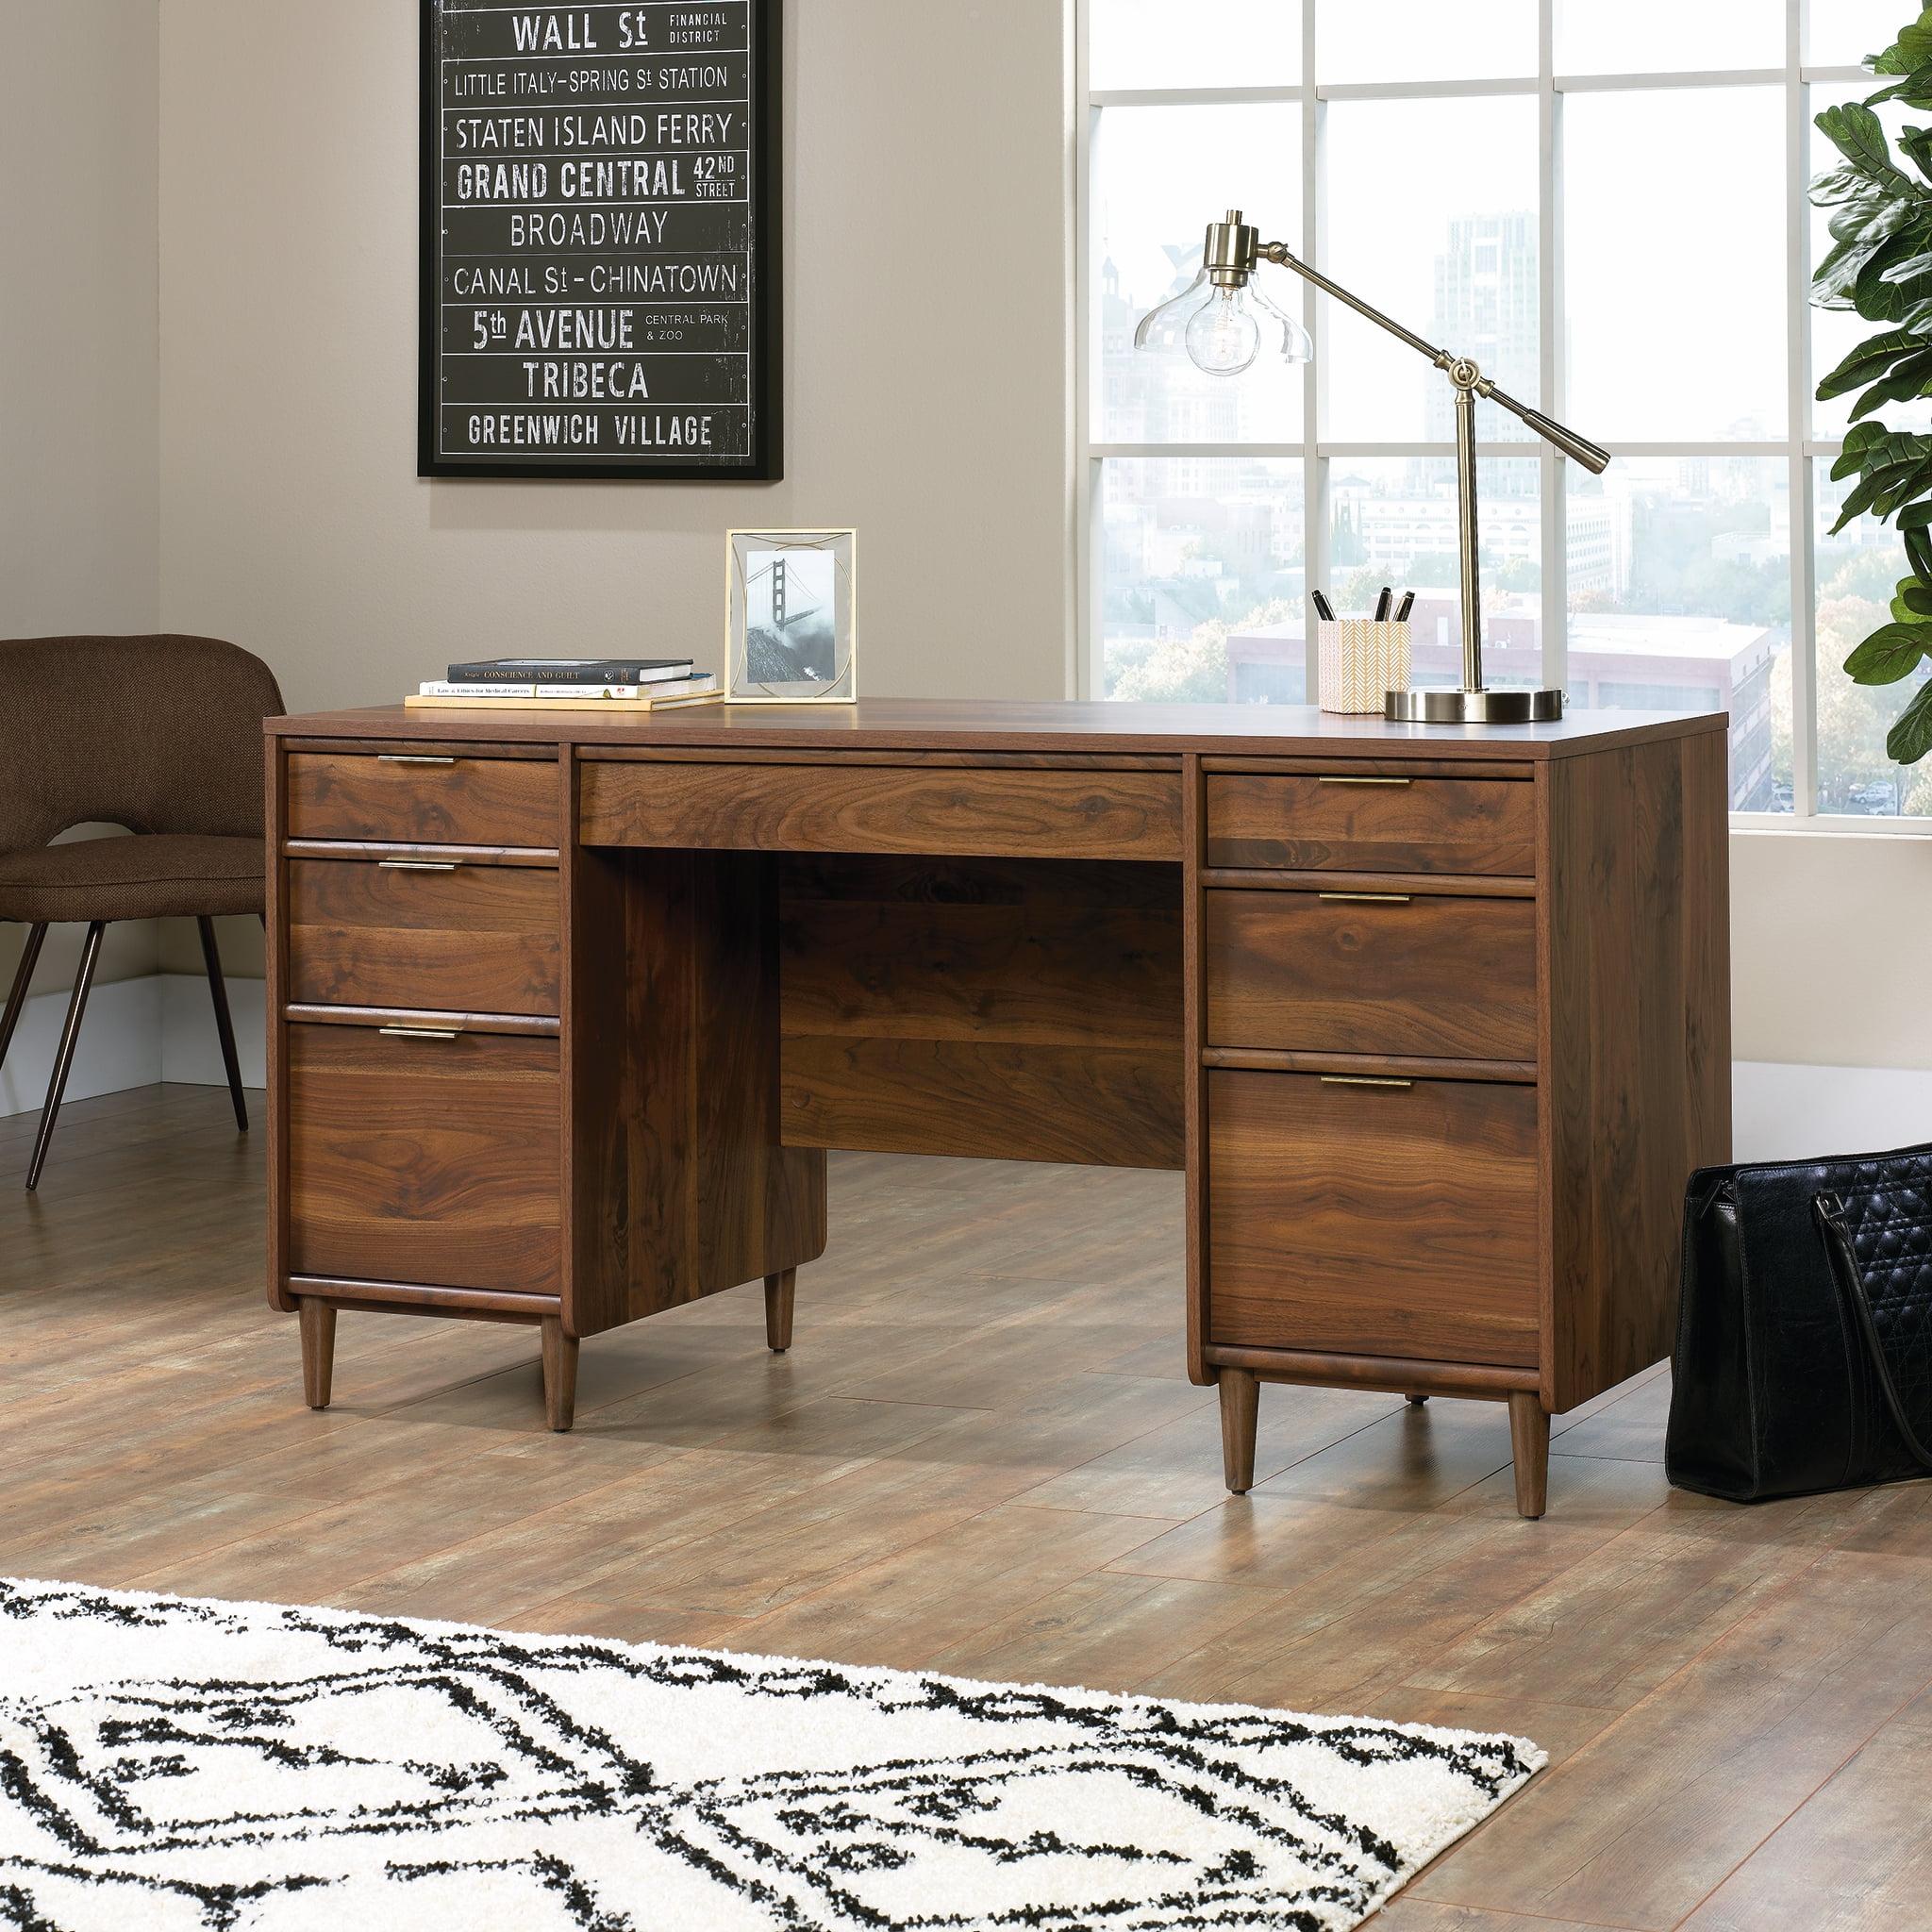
<point>565,1012</point>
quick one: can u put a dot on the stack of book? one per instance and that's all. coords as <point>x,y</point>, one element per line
<point>617,684</point>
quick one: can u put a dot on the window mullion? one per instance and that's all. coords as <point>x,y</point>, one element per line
<point>1555,521</point>
<point>1314,471</point>
<point>1803,534</point>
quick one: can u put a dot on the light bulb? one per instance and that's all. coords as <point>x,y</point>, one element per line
<point>1222,338</point>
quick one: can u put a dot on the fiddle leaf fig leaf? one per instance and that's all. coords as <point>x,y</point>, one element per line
<point>1910,737</point>
<point>1890,652</point>
<point>1915,597</point>
<point>1869,359</point>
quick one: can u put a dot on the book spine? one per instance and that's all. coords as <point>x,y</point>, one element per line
<point>611,670</point>
<point>450,687</point>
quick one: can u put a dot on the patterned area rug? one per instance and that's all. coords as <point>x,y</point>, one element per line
<point>171,1764</point>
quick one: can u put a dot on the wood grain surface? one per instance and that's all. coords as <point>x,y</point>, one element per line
<point>1635,931</point>
<point>433,1162</point>
<point>938,811</point>
<point>484,937</point>
<point>1380,1221</point>
<point>1419,975</point>
<point>976,1005</point>
<point>1477,825</point>
<point>475,801</point>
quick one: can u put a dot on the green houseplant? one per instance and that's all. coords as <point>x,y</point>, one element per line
<point>1880,264</point>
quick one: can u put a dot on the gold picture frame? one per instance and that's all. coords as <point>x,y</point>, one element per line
<point>791,617</point>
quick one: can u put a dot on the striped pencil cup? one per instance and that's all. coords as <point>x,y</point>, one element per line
<point>1360,660</point>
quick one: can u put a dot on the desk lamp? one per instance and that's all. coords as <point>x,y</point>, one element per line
<point>1218,319</point>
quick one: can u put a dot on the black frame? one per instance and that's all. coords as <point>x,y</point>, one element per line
<point>766,461</point>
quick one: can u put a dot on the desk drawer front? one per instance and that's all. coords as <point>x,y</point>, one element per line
<point>430,1160</point>
<point>937,811</point>
<point>479,939</point>
<point>424,797</point>
<point>1405,974</point>
<point>1372,1219</point>
<point>1349,823</point>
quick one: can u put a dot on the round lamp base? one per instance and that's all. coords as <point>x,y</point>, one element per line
<point>1471,706</point>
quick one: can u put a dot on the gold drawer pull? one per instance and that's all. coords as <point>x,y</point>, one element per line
<point>418,864</point>
<point>1367,898</point>
<point>420,1032</point>
<point>424,758</point>
<point>1328,780</point>
<point>1362,1080</point>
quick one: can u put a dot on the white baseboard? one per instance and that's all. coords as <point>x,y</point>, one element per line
<point>120,1044</point>
<point>191,1048</point>
<point>1787,1113</point>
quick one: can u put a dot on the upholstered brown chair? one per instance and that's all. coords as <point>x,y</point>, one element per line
<point>161,735</point>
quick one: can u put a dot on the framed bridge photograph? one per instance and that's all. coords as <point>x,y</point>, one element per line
<point>792,617</point>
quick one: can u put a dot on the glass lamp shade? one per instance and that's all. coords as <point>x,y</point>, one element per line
<point>1221,330</point>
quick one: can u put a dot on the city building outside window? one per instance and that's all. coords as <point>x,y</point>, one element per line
<point>1607,209</point>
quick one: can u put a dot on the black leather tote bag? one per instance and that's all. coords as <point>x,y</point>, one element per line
<point>1804,1356</point>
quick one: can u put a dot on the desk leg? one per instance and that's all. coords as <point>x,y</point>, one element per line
<point>778,1288</point>
<point>318,1320</point>
<point>1240,1403</point>
<point>1529,1441</point>
<point>559,1375</point>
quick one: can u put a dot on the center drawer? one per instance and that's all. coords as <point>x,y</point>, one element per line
<point>425,934</point>
<point>431,1160</point>
<point>1359,1218</point>
<point>1364,973</point>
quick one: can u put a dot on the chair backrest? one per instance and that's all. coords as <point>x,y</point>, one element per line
<point>159,734</point>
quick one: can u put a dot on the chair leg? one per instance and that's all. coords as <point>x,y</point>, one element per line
<point>778,1297</point>
<point>16,1000</point>
<point>64,1057</point>
<point>212,953</point>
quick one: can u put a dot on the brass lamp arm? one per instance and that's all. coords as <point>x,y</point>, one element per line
<point>1459,369</point>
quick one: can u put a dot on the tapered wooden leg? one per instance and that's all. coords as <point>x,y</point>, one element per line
<point>559,1375</point>
<point>778,1289</point>
<point>1417,1401</point>
<point>318,1320</point>
<point>225,1027</point>
<point>63,1054</point>
<point>1529,1442</point>
<point>1240,1405</point>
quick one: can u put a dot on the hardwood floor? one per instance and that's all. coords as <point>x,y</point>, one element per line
<point>1737,1702</point>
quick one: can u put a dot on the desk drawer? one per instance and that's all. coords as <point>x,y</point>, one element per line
<point>1372,1219</point>
<point>1352,972</point>
<point>936,811</point>
<point>1343,823</point>
<point>424,797</point>
<point>423,1161</point>
<point>398,932</point>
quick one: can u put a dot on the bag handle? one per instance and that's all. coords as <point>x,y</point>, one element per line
<point>1829,1210</point>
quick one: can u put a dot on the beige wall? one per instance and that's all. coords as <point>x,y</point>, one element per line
<point>79,535</point>
<point>1831,949</point>
<point>925,274</point>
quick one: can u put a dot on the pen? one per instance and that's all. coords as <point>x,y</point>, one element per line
<point>1324,609</point>
<point>1382,605</point>
<point>1406,604</point>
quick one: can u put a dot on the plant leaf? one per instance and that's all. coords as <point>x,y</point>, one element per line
<point>1907,380</point>
<point>1915,597</point>
<point>1858,134</point>
<point>1918,551</point>
<point>1871,356</point>
<point>1910,737</point>
<point>1891,652</point>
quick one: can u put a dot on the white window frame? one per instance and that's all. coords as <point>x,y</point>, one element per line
<point>1550,89</point>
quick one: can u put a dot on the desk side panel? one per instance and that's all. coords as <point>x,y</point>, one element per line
<point>679,1185</point>
<point>1635,1059</point>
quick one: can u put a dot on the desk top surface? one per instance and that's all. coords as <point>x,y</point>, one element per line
<point>1033,725</point>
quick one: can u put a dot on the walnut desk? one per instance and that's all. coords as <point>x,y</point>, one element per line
<point>565,1011</point>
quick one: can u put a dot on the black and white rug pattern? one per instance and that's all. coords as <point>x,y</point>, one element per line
<point>180,1765</point>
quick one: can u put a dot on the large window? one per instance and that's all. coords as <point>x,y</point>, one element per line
<point>1606,206</point>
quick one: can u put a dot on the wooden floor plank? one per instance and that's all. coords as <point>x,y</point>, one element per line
<point>982,1455</point>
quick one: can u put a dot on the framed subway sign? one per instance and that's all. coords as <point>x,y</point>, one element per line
<point>601,240</point>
